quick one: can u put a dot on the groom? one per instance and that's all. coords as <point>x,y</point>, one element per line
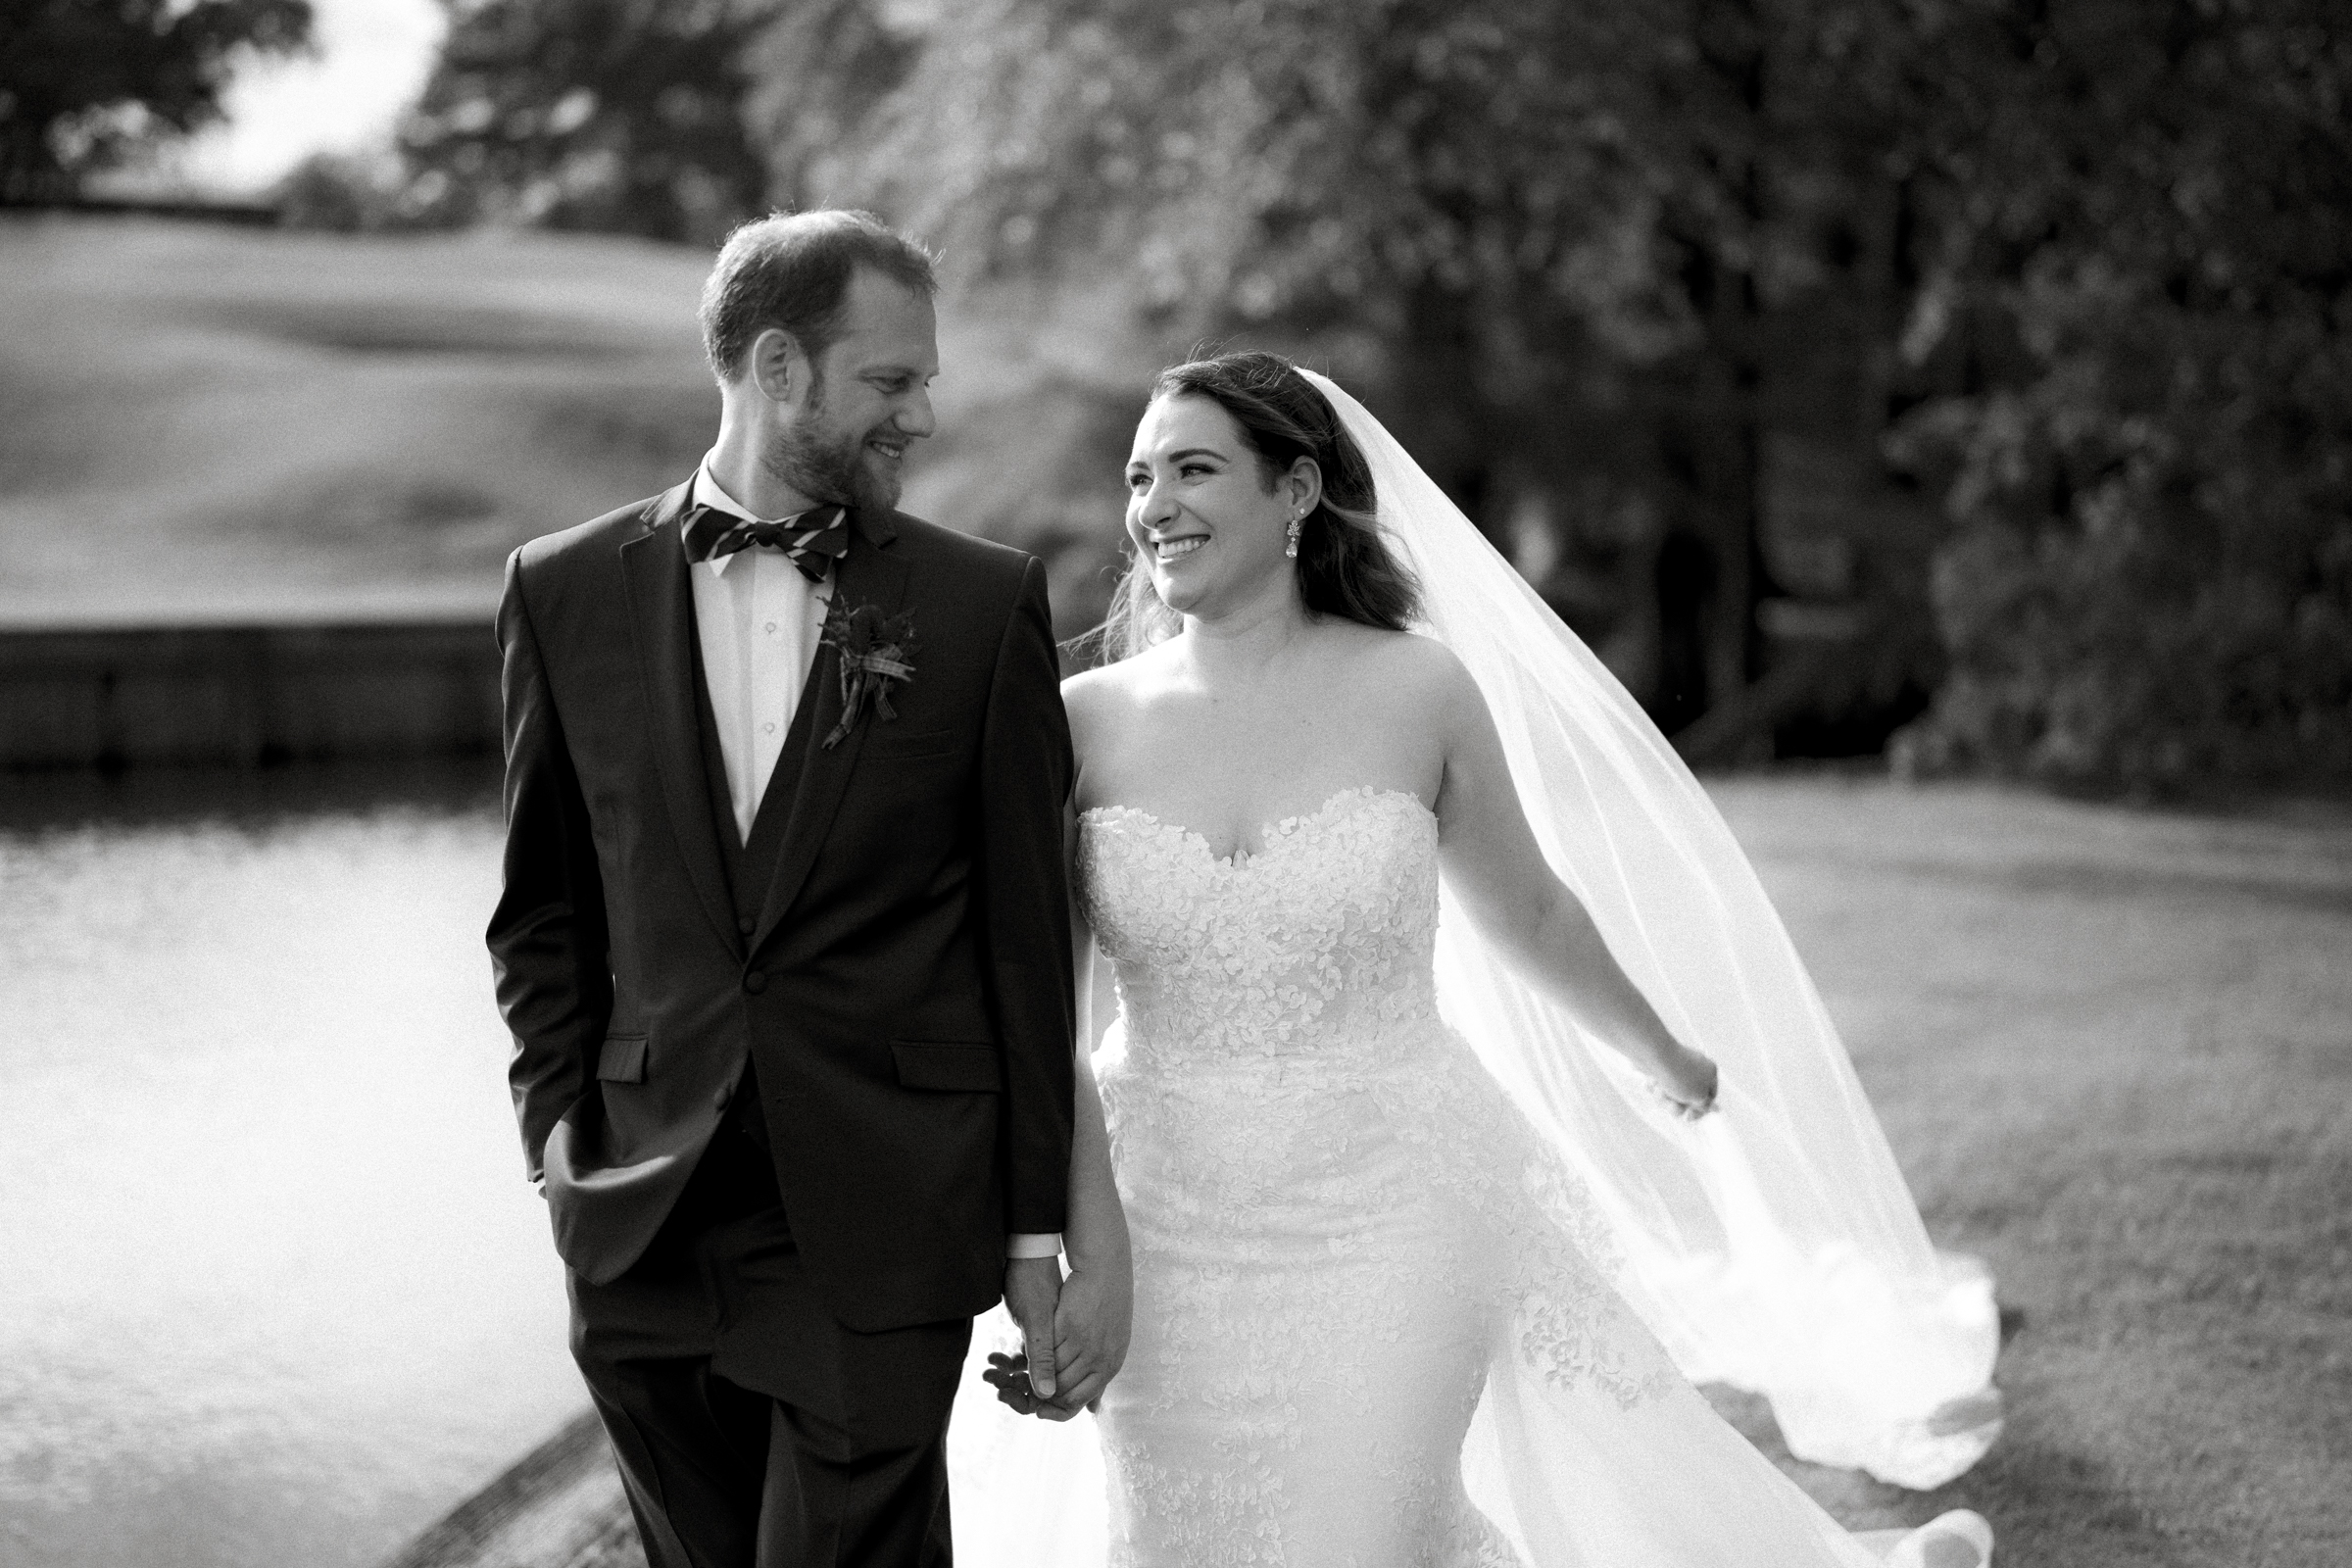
<point>784,942</point>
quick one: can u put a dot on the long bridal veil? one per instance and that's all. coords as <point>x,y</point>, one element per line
<point>1774,1246</point>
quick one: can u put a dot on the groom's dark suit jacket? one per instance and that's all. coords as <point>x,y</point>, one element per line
<point>904,989</point>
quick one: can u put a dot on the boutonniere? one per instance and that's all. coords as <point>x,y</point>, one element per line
<point>876,652</point>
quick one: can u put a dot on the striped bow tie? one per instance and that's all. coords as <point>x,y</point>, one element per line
<point>815,539</point>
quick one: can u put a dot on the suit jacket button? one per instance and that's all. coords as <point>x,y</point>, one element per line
<point>747,926</point>
<point>755,982</point>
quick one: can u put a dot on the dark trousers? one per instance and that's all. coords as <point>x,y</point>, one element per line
<point>754,1430</point>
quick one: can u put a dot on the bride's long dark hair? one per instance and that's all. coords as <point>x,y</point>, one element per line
<point>1345,567</point>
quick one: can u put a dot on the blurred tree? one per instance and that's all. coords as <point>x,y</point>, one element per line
<point>344,193</point>
<point>1692,288</point>
<point>1431,173</point>
<point>624,115</point>
<point>1561,243</point>
<point>2141,301</point>
<point>818,75</point>
<point>82,85</point>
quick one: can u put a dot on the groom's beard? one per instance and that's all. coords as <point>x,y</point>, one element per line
<point>832,469</point>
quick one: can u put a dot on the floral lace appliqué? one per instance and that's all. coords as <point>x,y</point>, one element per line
<point>1341,1221</point>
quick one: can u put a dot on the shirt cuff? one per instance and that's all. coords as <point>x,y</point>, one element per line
<point>1033,1243</point>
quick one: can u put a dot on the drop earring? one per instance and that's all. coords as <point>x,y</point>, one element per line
<point>1291,547</point>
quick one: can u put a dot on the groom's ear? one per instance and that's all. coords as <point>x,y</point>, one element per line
<point>777,366</point>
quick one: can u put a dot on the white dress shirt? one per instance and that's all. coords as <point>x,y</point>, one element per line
<point>757,620</point>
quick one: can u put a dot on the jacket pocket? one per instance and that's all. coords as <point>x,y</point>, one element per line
<point>972,1066</point>
<point>622,1060</point>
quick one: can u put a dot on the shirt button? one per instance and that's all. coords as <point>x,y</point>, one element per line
<point>771,625</point>
<point>755,982</point>
<point>770,726</point>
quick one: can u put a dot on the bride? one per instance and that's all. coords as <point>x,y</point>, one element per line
<point>1427,951</point>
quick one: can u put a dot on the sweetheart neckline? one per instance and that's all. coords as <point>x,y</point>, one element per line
<point>1267,832</point>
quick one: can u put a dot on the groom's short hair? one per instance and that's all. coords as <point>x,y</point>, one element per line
<point>792,270</point>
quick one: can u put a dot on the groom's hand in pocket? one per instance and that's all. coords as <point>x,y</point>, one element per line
<point>1032,1291</point>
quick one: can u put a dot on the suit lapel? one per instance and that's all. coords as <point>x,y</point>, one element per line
<point>653,566</point>
<point>869,574</point>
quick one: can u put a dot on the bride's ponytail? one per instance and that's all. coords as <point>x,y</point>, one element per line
<point>1345,565</point>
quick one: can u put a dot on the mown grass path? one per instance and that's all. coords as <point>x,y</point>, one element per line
<point>2113,1051</point>
<point>201,423</point>
<point>205,423</point>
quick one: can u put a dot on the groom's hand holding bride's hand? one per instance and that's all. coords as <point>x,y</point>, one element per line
<point>1032,1291</point>
<point>1091,1317</point>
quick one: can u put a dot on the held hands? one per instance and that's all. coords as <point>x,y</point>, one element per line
<point>1066,1369</point>
<point>1032,1292</point>
<point>1091,1326</point>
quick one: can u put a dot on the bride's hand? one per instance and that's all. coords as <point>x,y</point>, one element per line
<point>1687,1080</point>
<point>1091,1328</point>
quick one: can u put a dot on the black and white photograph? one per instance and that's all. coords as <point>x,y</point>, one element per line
<point>1176,783</point>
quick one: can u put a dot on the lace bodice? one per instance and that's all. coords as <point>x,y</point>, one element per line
<point>1281,1025</point>
<point>1345,1233</point>
<point>1312,955</point>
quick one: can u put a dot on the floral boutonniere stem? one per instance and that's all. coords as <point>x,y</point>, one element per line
<point>877,651</point>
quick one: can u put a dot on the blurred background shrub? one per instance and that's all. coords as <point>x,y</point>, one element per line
<point>614,115</point>
<point>84,84</point>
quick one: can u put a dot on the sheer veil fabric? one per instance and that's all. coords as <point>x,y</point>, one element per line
<point>1774,1246</point>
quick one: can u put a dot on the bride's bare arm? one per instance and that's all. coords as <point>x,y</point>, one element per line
<point>1098,1299</point>
<point>1095,1311</point>
<point>1495,868</point>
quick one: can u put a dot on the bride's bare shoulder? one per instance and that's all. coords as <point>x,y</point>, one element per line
<point>1408,669</point>
<point>1100,696</point>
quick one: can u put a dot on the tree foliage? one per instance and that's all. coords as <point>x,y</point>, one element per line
<point>2143,277</point>
<point>623,116</point>
<point>86,83</point>
<point>1561,241</point>
<point>1812,354</point>
<point>2075,272</point>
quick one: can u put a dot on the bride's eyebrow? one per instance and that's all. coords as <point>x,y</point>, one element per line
<point>1135,464</point>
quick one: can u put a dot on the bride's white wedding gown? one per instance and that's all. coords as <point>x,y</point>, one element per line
<point>1360,1276</point>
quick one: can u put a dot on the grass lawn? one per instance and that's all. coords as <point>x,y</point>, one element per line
<point>2113,1049</point>
<point>205,423</point>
